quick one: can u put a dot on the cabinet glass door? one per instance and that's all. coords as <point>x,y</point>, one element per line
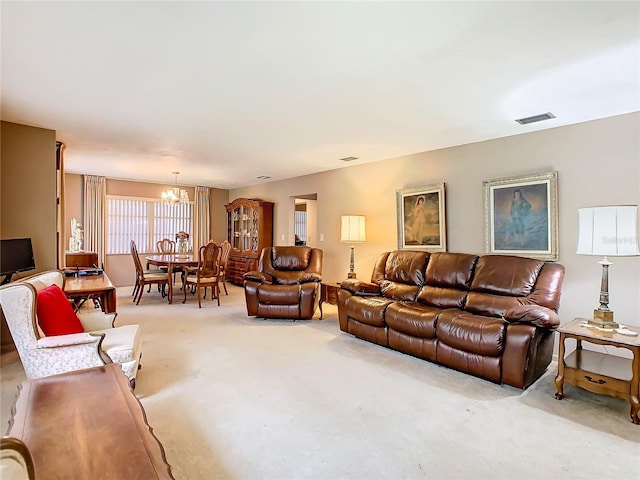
<point>255,240</point>
<point>235,230</point>
<point>246,227</point>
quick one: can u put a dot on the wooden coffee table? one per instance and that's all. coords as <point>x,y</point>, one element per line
<point>87,424</point>
<point>599,372</point>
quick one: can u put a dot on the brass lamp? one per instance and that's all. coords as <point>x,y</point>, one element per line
<point>352,231</point>
<point>607,231</point>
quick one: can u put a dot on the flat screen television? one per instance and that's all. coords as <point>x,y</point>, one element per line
<point>16,255</point>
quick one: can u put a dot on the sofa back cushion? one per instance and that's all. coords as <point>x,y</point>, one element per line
<point>400,273</point>
<point>448,279</point>
<point>501,282</point>
<point>290,258</point>
<point>289,265</point>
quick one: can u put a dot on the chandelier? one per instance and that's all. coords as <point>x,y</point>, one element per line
<point>175,195</point>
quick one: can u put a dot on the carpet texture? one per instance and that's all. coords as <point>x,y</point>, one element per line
<point>234,397</point>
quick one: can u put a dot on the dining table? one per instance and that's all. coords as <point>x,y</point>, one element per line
<point>172,261</point>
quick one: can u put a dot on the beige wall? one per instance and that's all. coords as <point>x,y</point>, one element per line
<point>120,267</point>
<point>218,198</point>
<point>73,204</point>
<point>28,196</point>
<point>598,163</point>
<point>28,186</point>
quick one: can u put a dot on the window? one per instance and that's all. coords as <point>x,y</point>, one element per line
<point>145,221</point>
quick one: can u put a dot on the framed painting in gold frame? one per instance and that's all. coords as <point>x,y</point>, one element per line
<point>521,216</point>
<point>422,218</point>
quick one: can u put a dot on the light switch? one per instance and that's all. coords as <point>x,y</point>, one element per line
<point>282,237</point>
<point>322,237</point>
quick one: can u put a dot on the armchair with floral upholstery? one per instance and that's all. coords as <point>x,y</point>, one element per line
<point>286,284</point>
<point>16,462</point>
<point>95,343</point>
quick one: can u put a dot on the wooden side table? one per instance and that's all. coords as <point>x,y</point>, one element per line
<point>599,372</point>
<point>92,285</point>
<point>328,293</point>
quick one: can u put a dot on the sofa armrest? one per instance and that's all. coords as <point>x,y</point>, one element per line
<point>358,287</point>
<point>56,341</point>
<point>96,320</point>
<point>259,277</point>
<point>533,314</point>
<point>310,277</point>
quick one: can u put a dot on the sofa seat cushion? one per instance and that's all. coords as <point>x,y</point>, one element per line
<point>122,344</point>
<point>442,297</point>
<point>279,294</point>
<point>413,318</point>
<point>367,310</point>
<point>471,333</point>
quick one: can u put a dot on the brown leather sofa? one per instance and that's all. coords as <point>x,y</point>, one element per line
<point>492,316</point>
<point>287,283</point>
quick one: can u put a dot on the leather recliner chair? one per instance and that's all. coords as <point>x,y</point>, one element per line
<point>286,284</point>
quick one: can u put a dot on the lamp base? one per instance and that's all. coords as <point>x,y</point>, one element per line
<point>351,275</point>
<point>603,319</point>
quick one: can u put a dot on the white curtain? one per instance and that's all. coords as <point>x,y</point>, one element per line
<point>95,216</point>
<point>201,222</point>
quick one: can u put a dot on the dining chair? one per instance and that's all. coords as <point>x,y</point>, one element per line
<point>167,246</point>
<point>224,258</point>
<point>146,277</point>
<point>206,274</point>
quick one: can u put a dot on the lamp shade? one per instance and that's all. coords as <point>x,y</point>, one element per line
<point>608,231</point>
<point>352,229</point>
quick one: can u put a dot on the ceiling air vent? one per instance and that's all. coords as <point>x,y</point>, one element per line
<point>349,159</point>
<point>536,118</point>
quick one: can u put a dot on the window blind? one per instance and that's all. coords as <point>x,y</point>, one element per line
<point>145,221</point>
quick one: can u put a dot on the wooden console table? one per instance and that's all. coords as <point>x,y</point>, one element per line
<point>598,372</point>
<point>87,424</point>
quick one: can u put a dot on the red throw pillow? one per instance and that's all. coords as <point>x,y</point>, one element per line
<point>55,313</point>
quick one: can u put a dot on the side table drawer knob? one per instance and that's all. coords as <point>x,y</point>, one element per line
<point>599,381</point>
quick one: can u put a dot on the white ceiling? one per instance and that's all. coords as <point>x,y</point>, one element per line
<point>225,92</point>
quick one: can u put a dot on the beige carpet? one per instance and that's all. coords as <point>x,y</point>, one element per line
<point>234,397</point>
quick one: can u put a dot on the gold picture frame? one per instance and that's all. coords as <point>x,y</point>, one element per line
<point>422,218</point>
<point>521,216</point>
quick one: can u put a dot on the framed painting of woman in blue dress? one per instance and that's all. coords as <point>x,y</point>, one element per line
<point>421,218</point>
<point>521,216</point>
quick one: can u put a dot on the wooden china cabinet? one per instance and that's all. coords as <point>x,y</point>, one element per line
<point>249,229</point>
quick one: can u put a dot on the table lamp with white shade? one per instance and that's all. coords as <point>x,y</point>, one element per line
<point>352,231</point>
<point>607,231</point>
